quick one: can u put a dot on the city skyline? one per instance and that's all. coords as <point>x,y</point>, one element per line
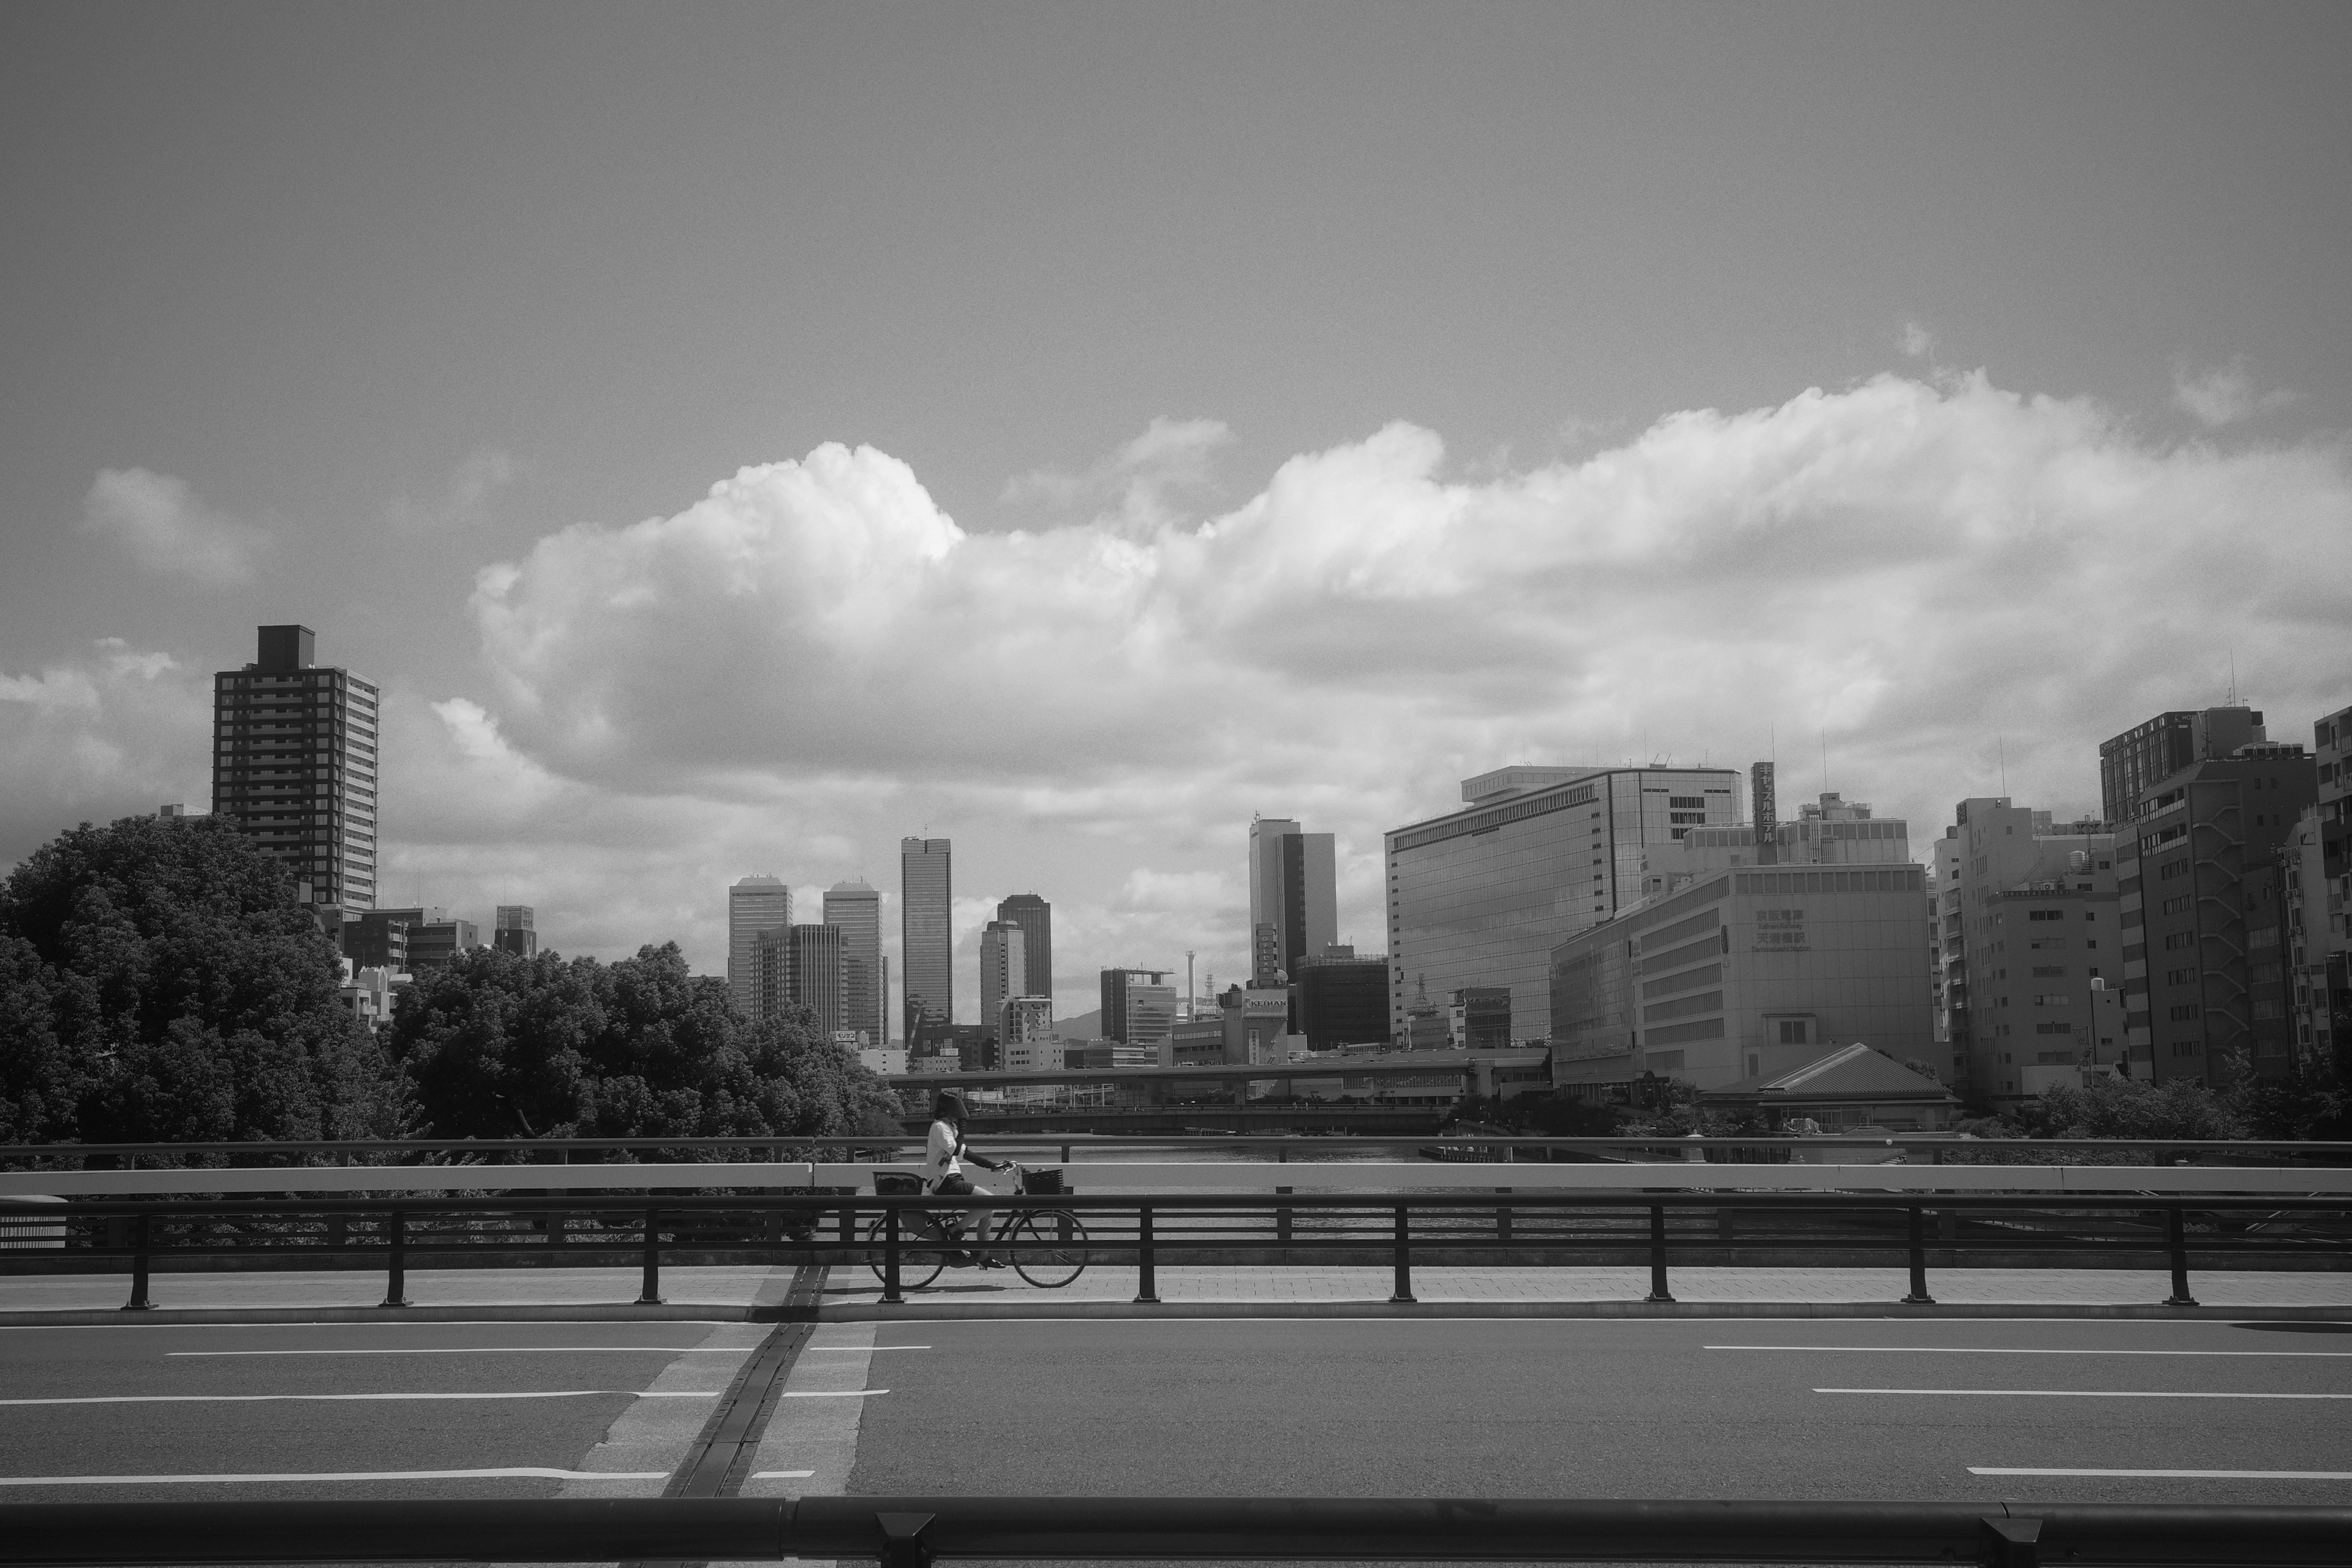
<point>1913,400</point>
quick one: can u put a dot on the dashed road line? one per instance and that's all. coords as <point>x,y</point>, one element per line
<point>492,1350</point>
<point>2078,1394</point>
<point>2174,1475</point>
<point>2004,1350</point>
<point>285,1398</point>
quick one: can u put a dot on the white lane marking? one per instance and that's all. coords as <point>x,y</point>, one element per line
<point>865,1350</point>
<point>279,1398</point>
<point>370,1324</point>
<point>782,1474</point>
<point>526,1472</point>
<point>2081,1393</point>
<point>1998,1350</point>
<point>2178,1474</point>
<point>492,1350</point>
<point>1371,1320</point>
<point>845,1393</point>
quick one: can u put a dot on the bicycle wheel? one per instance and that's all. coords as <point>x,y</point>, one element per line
<point>1059,1244</point>
<point>920,1258</point>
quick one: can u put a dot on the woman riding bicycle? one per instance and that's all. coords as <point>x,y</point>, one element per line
<point>943,1158</point>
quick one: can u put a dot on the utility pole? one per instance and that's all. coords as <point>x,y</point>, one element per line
<point>1189,993</point>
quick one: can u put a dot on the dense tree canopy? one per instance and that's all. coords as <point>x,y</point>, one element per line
<point>159,981</point>
<point>502,1047</point>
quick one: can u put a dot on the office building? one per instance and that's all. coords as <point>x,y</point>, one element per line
<point>294,766</point>
<point>2319,890</point>
<point>925,935</point>
<point>2194,867</point>
<point>1480,1018</point>
<point>514,932</point>
<point>1831,831</point>
<point>1003,966</point>
<point>2031,917</point>
<point>1744,973</point>
<point>1293,896</point>
<point>432,937</point>
<point>1034,916</point>
<point>856,909</point>
<point>755,905</point>
<point>1338,999</point>
<point>1025,1037</point>
<point>1139,1007</point>
<point>801,966</point>
<point>1482,896</point>
<point>378,939</point>
<point>2132,761</point>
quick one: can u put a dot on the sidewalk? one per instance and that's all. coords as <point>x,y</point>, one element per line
<point>753,1293</point>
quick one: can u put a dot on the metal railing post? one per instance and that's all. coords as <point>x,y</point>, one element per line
<point>891,1294</point>
<point>1918,1296</point>
<point>1147,1277</point>
<point>1658,1292</point>
<point>139,1302</point>
<point>650,1295</point>
<point>555,1227</point>
<point>1403,1291</point>
<point>395,1279</point>
<point>1282,1216</point>
<point>2176,1241</point>
<point>1502,1217</point>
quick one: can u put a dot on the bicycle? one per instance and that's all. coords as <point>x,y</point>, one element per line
<point>1057,1257</point>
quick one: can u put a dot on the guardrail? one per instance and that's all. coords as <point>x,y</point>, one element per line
<point>1933,1148</point>
<point>1296,1228</point>
<point>916,1531</point>
<point>1157,1177</point>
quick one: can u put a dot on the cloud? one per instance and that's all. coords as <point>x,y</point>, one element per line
<point>1136,491</point>
<point>158,522</point>
<point>466,504</point>
<point>1941,578</point>
<point>1916,341</point>
<point>111,731</point>
<point>2223,395</point>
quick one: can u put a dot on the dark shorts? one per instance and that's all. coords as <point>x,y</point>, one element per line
<point>953,1187</point>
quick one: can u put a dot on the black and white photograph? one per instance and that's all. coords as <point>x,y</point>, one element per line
<point>1384,781</point>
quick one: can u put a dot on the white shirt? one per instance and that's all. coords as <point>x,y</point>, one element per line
<point>940,1150</point>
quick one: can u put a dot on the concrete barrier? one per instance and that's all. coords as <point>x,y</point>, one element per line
<point>1120,1177</point>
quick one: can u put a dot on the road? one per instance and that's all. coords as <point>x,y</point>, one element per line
<point>1735,1408</point>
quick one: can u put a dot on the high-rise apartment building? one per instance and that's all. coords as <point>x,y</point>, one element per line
<point>1003,965</point>
<point>856,909</point>
<point>1293,895</point>
<point>432,938</point>
<point>754,905</point>
<point>2032,922</point>
<point>2319,892</point>
<point>802,965</point>
<point>2131,761</point>
<point>1034,916</point>
<point>925,935</point>
<point>294,765</point>
<point>2195,862</point>
<point>1481,897</point>
<point>515,931</point>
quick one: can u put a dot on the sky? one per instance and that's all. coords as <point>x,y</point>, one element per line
<point>736,437</point>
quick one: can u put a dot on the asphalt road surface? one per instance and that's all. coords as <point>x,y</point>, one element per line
<point>1724,1408</point>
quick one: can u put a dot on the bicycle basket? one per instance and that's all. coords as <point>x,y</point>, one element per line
<point>1041,1183</point>
<point>896,1185</point>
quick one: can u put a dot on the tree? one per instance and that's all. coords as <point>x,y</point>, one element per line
<point>159,983</point>
<point>2311,1101</point>
<point>2107,1107</point>
<point>502,1047</point>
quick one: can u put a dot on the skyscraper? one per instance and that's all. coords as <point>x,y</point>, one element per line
<point>857,909</point>
<point>294,765</point>
<point>802,965</point>
<point>1293,894</point>
<point>1002,964</point>
<point>925,935</point>
<point>755,904</point>
<point>1139,1008</point>
<point>1034,916</point>
<point>2141,755</point>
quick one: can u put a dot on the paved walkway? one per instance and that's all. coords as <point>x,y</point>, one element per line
<point>733,1289</point>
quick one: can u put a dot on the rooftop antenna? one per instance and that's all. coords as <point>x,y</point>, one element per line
<point>2233,674</point>
<point>2000,749</point>
<point>1825,759</point>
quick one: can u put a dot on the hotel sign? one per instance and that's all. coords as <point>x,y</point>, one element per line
<point>1780,931</point>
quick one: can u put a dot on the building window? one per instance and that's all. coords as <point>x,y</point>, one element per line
<point>1793,1032</point>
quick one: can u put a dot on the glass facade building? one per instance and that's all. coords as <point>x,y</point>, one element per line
<point>1480,897</point>
<point>755,905</point>
<point>856,909</point>
<point>294,765</point>
<point>1034,916</point>
<point>926,934</point>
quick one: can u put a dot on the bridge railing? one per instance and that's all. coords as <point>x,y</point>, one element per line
<point>917,1531</point>
<point>1662,1228</point>
<point>1916,1148</point>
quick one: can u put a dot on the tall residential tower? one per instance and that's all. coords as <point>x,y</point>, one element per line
<point>1294,897</point>
<point>294,765</point>
<point>857,909</point>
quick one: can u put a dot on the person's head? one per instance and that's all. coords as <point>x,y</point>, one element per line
<point>948,1106</point>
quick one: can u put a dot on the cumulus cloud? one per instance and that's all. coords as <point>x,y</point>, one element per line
<point>2223,395</point>
<point>1916,341</point>
<point>111,731</point>
<point>1135,491</point>
<point>1924,571</point>
<point>159,523</point>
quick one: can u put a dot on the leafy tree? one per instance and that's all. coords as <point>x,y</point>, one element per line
<point>159,983</point>
<point>2107,1107</point>
<point>502,1047</point>
<point>2311,1101</point>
